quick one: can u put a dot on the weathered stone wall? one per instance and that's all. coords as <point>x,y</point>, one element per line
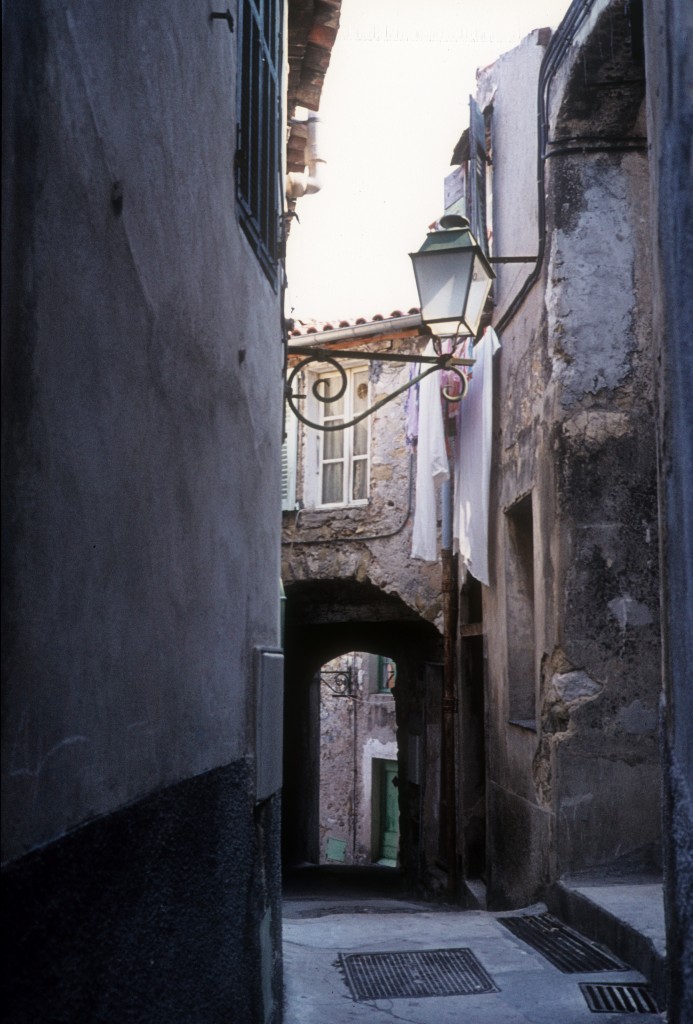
<point>574,782</point>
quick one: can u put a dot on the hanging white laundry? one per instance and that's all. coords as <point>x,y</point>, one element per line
<point>473,463</point>
<point>431,467</point>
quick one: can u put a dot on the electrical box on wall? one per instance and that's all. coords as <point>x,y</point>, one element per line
<point>269,720</point>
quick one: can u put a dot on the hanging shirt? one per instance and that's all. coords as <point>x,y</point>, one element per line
<point>473,463</point>
<point>431,467</point>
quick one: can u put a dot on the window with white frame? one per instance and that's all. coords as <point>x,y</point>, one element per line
<point>343,460</point>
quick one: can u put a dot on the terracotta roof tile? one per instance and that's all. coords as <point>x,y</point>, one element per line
<point>303,327</point>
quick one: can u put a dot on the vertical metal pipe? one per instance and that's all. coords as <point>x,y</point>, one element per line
<point>446,510</point>
<point>355,740</point>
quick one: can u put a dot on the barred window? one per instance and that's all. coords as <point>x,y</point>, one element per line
<point>258,170</point>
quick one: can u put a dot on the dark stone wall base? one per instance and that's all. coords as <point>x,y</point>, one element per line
<point>623,939</point>
<point>152,914</point>
<point>518,854</point>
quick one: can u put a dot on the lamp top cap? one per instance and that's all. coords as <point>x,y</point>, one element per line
<point>453,220</point>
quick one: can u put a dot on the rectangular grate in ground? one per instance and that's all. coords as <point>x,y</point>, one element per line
<point>602,997</point>
<point>415,974</point>
<point>567,950</point>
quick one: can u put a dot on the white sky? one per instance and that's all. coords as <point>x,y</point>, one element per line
<point>394,104</point>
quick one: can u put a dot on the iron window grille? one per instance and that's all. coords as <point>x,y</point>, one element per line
<point>258,170</point>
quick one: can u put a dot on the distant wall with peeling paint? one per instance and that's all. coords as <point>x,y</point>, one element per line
<point>354,730</point>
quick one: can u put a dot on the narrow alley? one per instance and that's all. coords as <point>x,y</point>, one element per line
<point>353,939</point>
<point>347,596</point>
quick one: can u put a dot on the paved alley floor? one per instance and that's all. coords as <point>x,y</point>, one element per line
<point>328,922</point>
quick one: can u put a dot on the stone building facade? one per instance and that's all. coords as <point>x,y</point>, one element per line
<point>571,616</point>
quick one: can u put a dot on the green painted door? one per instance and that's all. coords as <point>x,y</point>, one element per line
<point>389,814</point>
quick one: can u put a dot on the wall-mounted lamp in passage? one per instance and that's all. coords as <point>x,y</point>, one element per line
<point>453,278</point>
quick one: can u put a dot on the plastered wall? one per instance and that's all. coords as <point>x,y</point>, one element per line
<point>138,352</point>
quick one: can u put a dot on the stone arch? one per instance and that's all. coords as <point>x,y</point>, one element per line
<point>326,618</point>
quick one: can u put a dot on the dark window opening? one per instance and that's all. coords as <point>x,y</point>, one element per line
<point>637,31</point>
<point>520,613</point>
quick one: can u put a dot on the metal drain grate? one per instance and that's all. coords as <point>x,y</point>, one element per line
<point>415,974</point>
<point>564,948</point>
<point>628,998</point>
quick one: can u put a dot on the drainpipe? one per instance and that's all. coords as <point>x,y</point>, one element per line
<point>310,180</point>
<point>449,568</point>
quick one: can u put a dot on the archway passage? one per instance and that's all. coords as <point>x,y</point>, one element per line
<point>358,775</point>
<point>326,619</point>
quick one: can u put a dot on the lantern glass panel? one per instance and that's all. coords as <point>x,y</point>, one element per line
<point>478,293</point>
<point>443,279</point>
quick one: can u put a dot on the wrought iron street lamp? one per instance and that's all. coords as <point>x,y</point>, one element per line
<point>453,278</point>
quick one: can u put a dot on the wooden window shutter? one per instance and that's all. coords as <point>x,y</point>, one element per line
<point>289,458</point>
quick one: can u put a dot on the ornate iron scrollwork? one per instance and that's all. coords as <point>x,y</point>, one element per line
<point>323,357</point>
<point>341,681</point>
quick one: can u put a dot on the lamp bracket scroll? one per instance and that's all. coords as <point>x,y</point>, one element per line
<point>328,357</point>
<point>340,682</point>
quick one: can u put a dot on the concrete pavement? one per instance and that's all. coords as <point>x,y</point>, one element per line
<point>321,925</point>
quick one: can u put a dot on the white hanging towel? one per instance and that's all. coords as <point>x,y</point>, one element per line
<point>431,467</point>
<point>473,462</point>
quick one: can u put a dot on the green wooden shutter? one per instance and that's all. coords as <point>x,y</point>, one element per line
<point>289,458</point>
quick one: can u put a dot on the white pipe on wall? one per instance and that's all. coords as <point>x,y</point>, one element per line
<point>309,181</point>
